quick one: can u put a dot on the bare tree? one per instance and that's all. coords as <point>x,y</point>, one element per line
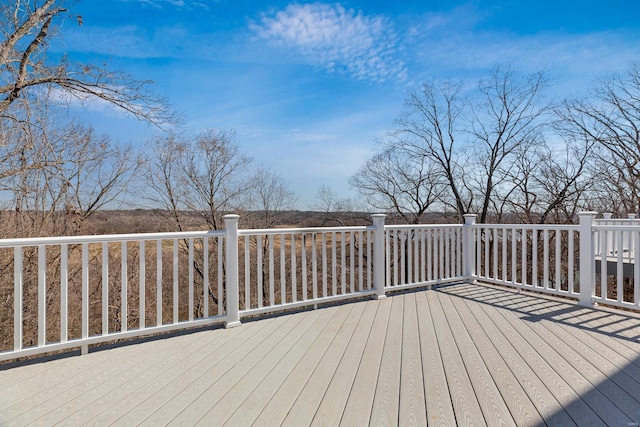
<point>550,185</point>
<point>395,180</point>
<point>430,130</point>
<point>611,118</point>
<point>57,173</point>
<point>164,176</point>
<point>203,174</point>
<point>27,29</point>
<point>504,123</point>
<point>343,211</point>
<point>471,145</point>
<point>268,196</point>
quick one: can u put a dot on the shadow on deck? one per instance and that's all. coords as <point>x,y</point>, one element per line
<point>459,354</point>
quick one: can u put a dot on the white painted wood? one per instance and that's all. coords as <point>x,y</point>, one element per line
<point>283,271</point>
<point>247,272</point>
<point>159,282</point>
<point>221,303</point>
<point>259,267</point>
<point>352,262</point>
<point>85,290</point>
<point>205,274</point>
<point>18,278</point>
<point>142,293</point>
<point>272,286</point>
<point>64,292</point>
<point>545,258</point>
<point>334,255</point>
<point>231,271</point>
<point>42,295</point>
<point>294,268</point>
<point>105,288</point>
<point>305,272</point>
<point>124,308</point>
<point>190,279</point>
<point>343,264</point>
<point>324,265</point>
<point>175,281</point>
<point>314,265</point>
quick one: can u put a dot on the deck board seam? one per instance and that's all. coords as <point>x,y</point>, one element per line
<point>346,308</point>
<point>555,354</point>
<point>499,336</point>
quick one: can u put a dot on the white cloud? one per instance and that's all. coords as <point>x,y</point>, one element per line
<point>336,39</point>
<point>182,4</point>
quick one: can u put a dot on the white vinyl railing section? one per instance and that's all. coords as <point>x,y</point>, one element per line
<point>616,258</point>
<point>536,257</point>
<point>75,291</point>
<point>69,292</point>
<point>289,268</point>
<point>423,255</point>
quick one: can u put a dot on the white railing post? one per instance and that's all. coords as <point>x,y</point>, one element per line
<point>231,270</point>
<point>587,260</point>
<point>469,248</point>
<point>378,255</point>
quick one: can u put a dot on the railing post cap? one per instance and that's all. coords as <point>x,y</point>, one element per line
<point>587,213</point>
<point>379,215</point>
<point>231,216</point>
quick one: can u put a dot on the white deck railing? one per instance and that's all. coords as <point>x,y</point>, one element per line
<point>536,257</point>
<point>65,292</point>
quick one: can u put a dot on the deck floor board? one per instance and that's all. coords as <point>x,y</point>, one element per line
<point>459,354</point>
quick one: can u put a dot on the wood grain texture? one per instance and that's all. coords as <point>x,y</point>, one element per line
<point>385,404</point>
<point>438,402</point>
<point>357,411</point>
<point>545,402</point>
<point>455,355</point>
<point>413,410</point>
<point>306,405</point>
<point>331,408</point>
<point>465,403</point>
<point>278,407</point>
<point>520,406</point>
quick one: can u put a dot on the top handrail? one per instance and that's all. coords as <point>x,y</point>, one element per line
<point>422,226</point>
<point>65,240</point>
<point>267,231</point>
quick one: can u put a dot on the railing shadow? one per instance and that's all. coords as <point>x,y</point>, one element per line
<point>614,401</point>
<point>535,307</point>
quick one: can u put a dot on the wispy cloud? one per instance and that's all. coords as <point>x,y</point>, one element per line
<point>337,40</point>
<point>182,4</point>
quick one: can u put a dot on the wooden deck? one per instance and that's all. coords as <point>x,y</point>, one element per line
<point>456,355</point>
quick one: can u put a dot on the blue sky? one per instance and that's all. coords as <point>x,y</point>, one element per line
<point>310,87</point>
